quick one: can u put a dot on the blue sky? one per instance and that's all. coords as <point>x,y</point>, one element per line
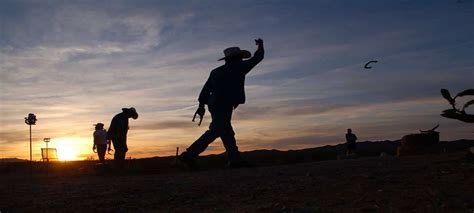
<point>75,63</point>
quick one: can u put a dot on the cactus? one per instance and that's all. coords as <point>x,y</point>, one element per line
<point>458,113</point>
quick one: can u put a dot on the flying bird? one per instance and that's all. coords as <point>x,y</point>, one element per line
<point>368,63</point>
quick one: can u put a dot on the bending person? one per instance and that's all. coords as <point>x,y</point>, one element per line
<point>118,134</point>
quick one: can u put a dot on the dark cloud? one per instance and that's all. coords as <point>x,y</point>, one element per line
<point>162,125</point>
<point>13,137</point>
<point>254,111</point>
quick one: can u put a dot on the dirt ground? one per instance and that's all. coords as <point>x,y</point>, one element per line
<point>426,183</point>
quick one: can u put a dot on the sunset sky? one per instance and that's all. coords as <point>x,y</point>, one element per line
<point>76,63</point>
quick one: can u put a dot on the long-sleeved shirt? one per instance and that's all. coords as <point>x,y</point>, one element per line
<point>118,126</point>
<point>351,138</point>
<point>225,84</point>
<point>100,136</point>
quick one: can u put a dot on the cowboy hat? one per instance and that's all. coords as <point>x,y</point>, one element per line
<point>132,112</point>
<point>235,52</point>
<point>99,126</point>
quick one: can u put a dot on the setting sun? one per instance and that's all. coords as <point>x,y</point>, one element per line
<point>66,153</point>
<point>69,149</point>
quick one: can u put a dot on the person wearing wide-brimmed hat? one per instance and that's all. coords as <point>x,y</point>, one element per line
<point>100,141</point>
<point>223,92</point>
<point>118,130</point>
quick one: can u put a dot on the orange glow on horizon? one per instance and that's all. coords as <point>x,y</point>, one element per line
<point>70,148</point>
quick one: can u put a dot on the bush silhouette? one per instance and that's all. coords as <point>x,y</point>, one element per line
<point>458,113</point>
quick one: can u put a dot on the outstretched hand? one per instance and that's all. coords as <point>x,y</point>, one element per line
<point>200,111</point>
<point>259,42</point>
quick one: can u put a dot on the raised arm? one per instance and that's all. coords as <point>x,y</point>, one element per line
<point>257,56</point>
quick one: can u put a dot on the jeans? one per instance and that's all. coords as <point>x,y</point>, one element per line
<point>120,146</point>
<point>220,127</point>
<point>101,149</point>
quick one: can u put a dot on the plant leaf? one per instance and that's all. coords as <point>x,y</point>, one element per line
<point>447,115</point>
<point>450,111</point>
<point>467,118</point>
<point>466,92</point>
<point>462,117</point>
<point>471,102</point>
<point>447,96</point>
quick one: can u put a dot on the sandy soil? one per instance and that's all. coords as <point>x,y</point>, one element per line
<point>427,183</point>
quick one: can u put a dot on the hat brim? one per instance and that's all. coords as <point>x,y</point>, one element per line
<point>132,111</point>
<point>240,54</point>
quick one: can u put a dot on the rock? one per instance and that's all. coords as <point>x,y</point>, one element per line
<point>419,143</point>
<point>470,154</point>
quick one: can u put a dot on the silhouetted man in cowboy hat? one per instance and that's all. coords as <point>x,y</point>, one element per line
<point>223,92</point>
<point>118,134</point>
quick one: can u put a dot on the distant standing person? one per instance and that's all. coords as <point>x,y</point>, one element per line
<point>100,141</point>
<point>223,92</point>
<point>118,134</point>
<point>351,139</point>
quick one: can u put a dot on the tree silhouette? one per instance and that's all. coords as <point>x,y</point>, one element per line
<point>458,113</point>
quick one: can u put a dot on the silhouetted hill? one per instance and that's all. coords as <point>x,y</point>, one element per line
<point>277,157</point>
<point>330,152</point>
<point>11,160</point>
<point>256,158</point>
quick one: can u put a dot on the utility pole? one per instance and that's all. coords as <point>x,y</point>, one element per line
<point>31,120</point>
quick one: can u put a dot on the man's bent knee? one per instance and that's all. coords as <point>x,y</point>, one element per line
<point>222,130</point>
